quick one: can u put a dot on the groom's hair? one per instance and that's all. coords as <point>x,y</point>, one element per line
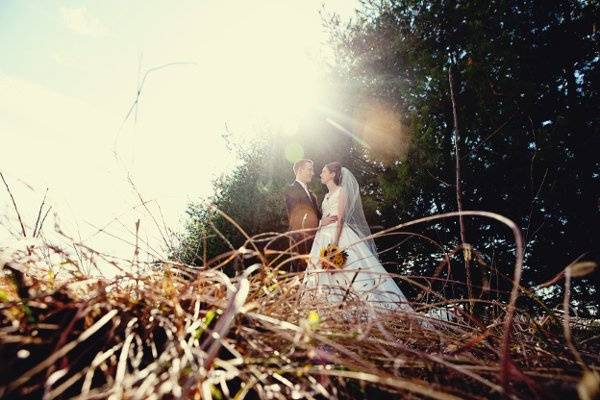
<point>300,164</point>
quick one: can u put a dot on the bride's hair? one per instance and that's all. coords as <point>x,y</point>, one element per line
<point>336,168</point>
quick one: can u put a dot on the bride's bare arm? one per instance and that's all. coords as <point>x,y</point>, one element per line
<point>340,216</point>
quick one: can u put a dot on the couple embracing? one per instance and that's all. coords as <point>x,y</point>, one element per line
<point>338,221</point>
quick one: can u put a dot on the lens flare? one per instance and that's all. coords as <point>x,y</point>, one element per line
<point>294,152</point>
<point>382,129</point>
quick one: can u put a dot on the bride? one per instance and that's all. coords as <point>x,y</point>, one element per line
<point>362,278</point>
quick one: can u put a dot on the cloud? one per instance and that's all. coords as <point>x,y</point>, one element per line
<point>78,20</point>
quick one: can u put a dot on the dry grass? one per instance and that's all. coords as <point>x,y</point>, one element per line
<point>167,330</point>
<point>173,331</point>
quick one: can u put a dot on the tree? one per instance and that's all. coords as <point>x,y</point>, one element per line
<point>527,110</point>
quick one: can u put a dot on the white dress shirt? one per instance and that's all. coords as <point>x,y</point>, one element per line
<point>305,189</point>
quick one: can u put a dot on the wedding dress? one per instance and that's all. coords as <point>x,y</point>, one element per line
<point>362,279</point>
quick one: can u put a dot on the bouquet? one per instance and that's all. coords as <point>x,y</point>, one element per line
<point>332,257</point>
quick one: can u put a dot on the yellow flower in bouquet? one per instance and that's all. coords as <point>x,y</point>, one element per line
<point>332,257</point>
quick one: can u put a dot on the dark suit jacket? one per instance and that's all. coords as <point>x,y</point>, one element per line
<point>303,212</point>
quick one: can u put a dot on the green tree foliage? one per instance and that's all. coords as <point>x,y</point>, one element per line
<point>250,195</point>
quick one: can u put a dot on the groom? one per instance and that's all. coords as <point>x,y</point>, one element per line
<point>303,210</point>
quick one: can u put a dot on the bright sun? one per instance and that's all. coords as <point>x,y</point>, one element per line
<point>252,69</point>
<point>268,66</point>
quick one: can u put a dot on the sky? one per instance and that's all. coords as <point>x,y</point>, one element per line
<point>69,75</point>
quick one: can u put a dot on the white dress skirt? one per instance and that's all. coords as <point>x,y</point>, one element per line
<point>362,279</point>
